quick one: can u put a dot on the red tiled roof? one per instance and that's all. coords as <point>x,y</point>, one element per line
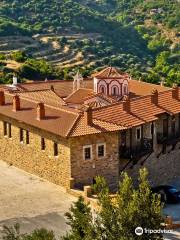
<point>63,88</point>
<point>138,88</point>
<point>66,121</point>
<point>79,96</point>
<point>81,128</point>
<point>142,110</point>
<point>110,72</point>
<point>58,120</point>
<point>48,97</point>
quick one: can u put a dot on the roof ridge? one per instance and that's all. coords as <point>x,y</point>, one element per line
<point>132,100</point>
<point>47,105</point>
<point>50,81</point>
<point>74,124</point>
<point>119,125</point>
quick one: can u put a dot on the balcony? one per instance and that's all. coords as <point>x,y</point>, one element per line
<point>138,151</point>
<point>170,139</point>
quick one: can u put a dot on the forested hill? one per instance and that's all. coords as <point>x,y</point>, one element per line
<point>138,36</point>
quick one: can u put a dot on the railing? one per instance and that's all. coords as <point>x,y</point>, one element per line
<point>137,151</point>
<point>169,139</point>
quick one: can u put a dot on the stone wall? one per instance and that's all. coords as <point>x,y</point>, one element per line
<point>83,171</point>
<point>162,170</point>
<point>31,158</point>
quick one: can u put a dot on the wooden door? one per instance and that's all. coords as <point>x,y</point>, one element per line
<point>165,127</point>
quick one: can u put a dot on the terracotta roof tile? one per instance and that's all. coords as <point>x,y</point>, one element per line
<point>62,87</point>
<point>58,120</point>
<point>110,72</point>
<point>142,110</point>
<point>138,88</point>
<point>79,96</point>
<point>48,97</point>
<point>81,128</point>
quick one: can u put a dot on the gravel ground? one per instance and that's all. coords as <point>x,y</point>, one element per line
<point>36,203</point>
<point>31,201</point>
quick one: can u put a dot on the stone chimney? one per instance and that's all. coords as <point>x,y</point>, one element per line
<point>52,88</point>
<point>40,111</point>
<point>154,96</point>
<point>2,98</point>
<point>175,92</point>
<point>126,104</point>
<point>15,80</point>
<point>16,103</point>
<point>88,116</point>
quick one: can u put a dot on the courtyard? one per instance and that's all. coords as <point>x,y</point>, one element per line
<point>31,201</point>
<point>37,203</point>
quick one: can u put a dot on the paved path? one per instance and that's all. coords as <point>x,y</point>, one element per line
<point>36,203</point>
<point>31,201</point>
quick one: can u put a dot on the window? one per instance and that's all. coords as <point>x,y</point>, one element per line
<point>5,128</point>
<point>102,89</point>
<point>9,130</point>
<point>43,145</point>
<point>101,150</point>
<point>138,133</point>
<point>27,137</point>
<point>55,149</point>
<point>87,152</point>
<point>21,137</point>
<point>125,90</point>
<point>114,91</point>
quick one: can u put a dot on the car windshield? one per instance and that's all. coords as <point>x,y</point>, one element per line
<point>173,190</point>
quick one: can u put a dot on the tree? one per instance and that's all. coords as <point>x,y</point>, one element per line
<point>80,219</point>
<point>19,56</point>
<point>13,233</point>
<point>118,217</point>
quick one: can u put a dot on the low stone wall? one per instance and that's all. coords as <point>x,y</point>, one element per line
<point>162,170</point>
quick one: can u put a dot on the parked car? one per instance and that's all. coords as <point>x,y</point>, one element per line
<point>169,194</point>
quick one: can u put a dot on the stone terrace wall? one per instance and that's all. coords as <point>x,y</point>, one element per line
<point>162,170</point>
<point>83,171</point>
<point>31,158</point>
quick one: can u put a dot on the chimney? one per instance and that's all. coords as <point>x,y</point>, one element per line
<point>88,116</point>
<point>154,96</point>
<point>162,83</point>
<point>16,103</point>
<point>175,92</point>
<point>40,111</point>
<point>126,104</point>
<point>2,98</point>
<point>52,88</point>
<point>15,80</point>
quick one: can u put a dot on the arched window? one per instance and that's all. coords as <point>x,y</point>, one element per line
<point>102,89</point>
<point>125,90</point>
<point>115,91</point>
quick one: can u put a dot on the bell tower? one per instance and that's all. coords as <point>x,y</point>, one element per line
<point>112,82</point>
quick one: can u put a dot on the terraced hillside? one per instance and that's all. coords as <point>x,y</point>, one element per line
<point>140,37</point>
<point>68,50</point>
<point>47,47</point>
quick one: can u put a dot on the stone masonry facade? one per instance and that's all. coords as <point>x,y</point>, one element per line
<point>66,168</point>
<point>31,158</point>
<point>70,167</point>
<point>83,171</point>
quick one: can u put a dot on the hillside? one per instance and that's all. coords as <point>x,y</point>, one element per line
<point>133,35</point>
